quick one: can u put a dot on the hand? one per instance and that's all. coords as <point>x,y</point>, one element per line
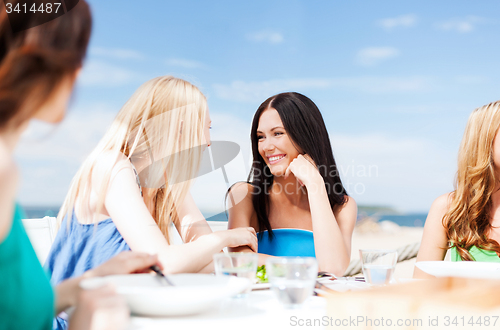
<point>244,236</point>
<point>126,263</point>
<point>100,309</point>
<point>305,170</point>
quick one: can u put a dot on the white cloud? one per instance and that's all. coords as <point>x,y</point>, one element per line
<point>103,74</point>
<point>258,91</point>
<point>117,53</point>
<point>400,21</point>
<point>184,63</point>
<point>270,37</point>
<point>461,25</point>
<point>374,55</point>
<point>50,157</point>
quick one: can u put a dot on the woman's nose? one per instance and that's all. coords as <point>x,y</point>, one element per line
<point>268,145</point>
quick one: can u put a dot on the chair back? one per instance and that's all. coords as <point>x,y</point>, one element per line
<point>41,233</point>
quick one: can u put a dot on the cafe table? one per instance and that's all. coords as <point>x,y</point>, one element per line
<point>259,310</point>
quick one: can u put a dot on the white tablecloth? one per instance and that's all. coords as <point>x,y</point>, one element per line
<point>261,310</point>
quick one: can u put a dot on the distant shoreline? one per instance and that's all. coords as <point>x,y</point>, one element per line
<point>376,214</point>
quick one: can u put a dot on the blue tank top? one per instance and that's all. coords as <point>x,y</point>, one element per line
<point>80,247</point>
<point>287,243</point>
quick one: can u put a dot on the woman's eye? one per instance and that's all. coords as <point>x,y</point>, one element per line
<point>278,133</point>
<point>259,137</point>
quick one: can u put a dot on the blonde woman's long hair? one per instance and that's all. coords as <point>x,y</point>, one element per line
<point>467,221</point>
<point>161,124</point>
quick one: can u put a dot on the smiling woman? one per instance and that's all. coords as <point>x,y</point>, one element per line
<point>295,199</point>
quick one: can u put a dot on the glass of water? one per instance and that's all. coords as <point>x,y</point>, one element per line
<point>378,265</point>
<point>292,279</point>
<point>239,264</point>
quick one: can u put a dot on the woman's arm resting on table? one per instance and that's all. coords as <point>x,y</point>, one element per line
<point>434,242</point>
<point>242,214</point>
<point>126,207</point>
<point>192,224</point>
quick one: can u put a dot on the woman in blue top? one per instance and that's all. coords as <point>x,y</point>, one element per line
<point>38,67</point>
<point>135,185</point>
<point>295,199</point>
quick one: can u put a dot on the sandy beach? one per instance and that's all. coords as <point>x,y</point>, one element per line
<point>386,235</point>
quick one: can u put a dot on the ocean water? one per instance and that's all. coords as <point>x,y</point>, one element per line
<point>407,220</point>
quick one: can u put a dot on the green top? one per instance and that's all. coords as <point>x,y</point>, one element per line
<point>477,254</point>
<point>26,296</point>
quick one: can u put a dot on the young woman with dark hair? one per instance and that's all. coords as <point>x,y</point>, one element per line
<point>38,67</point>
<point>295,199</point>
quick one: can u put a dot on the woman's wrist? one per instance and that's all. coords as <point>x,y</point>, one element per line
<point>316,185</point>
<point>219,239</point>
<point>67,293</point>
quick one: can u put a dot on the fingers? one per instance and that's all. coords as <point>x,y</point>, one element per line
<point>309,159</point>
<point>137,262</point>
<point>253,242</point>
<point>288,170</point>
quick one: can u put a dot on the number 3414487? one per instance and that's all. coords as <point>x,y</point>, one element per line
<point>48,8</point>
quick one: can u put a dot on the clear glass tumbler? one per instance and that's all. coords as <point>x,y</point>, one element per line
<point>378,265</point>
<point>292,279</point>
<point>237,264</point>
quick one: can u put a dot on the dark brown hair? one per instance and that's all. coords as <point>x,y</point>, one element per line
<point>35,61</point>
<point>304,124</point>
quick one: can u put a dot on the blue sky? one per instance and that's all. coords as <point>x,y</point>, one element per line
<point>395,81</point>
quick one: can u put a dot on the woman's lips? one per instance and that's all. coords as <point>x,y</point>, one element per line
<point>275,158</point>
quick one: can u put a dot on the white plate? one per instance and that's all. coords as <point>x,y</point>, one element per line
<point>469,269</point>
<point>192,293</point>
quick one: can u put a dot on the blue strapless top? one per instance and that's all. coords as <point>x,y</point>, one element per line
<point>81,247</point>
<point>287,243</point>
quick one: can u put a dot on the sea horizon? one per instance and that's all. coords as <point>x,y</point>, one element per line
<point>376,213</point>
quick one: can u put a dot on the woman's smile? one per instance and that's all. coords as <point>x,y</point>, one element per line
<point>273,159</point>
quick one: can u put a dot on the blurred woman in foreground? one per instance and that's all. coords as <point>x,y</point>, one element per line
<point>38,68</point>
<point>467,220</point>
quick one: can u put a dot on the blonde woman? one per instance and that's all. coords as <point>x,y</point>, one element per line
<point>467,220</point>
<point>136,183</point>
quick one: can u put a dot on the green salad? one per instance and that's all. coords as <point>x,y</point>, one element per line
<point>261,274</point>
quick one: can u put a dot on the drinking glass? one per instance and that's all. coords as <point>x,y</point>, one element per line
<point>239,264</point>
<point>292,279</point>
<point>378,265</point>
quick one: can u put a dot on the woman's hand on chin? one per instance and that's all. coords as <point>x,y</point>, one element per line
<point>305,170</point>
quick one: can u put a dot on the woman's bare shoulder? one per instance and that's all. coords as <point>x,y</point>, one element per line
<point>439,208</point>
<point>242,188</point>
<point>443,202</point>
<point>240,206</point>
<point>349,207</point>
